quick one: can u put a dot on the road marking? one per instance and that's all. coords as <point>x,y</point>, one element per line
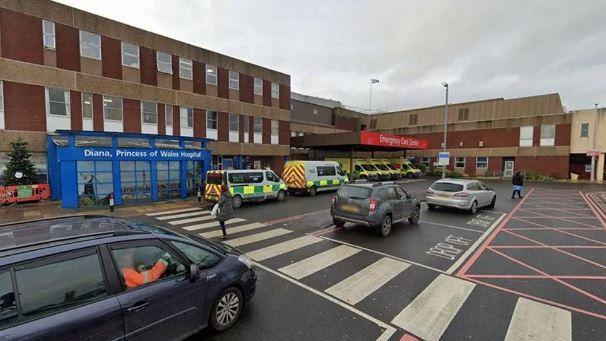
<point>366,281</point>
<point>538,321</point>
<point>238,229</point>
<point>191,220</point>
<point>253,238</point>
<point>182,215</point>
<point>211,224</point>
<point>451,226</point>
<point>430,313</point>
<point>173,211</point>
<point>475,245</point>
<point>282,248</point>
<point>388,330</point>
<point>315,263</point>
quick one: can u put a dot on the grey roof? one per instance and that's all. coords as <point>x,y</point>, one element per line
<point>325,102</point>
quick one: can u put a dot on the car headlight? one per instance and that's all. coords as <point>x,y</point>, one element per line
<point>246,261</point>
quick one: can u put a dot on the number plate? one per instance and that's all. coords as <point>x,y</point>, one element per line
<point>350,208</point>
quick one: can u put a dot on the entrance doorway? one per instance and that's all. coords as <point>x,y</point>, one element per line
<point>508,168</point>
<point>194,177</point>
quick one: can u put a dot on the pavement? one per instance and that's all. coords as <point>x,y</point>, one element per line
<point>533,268</point>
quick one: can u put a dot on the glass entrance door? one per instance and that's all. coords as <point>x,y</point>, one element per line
<point>135,182</point>
<point>194,177</point>
<point>169,180</point>
<point>508,169</point>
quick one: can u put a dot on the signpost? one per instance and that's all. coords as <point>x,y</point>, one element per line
<point>443,158</point>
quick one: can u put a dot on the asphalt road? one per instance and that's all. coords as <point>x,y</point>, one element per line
<point>533,266</point>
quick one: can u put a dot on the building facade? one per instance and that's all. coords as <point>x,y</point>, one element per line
<point>494,137</point>
<point>65,69</point>
<point>588,133</point>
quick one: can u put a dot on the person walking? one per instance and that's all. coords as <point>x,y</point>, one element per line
<point>226,209</point>
<point>518,183</point>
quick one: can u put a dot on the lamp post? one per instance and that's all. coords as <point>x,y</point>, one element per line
<point>444,84</point>
<point>372,81</point>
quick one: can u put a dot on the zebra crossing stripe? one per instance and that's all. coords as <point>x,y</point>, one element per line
<point>366,281</point>
<point>430,313</point>
<point>538,321</point>
<point>191,220</point>
<point>211,224</point>
<point>281,248</point>
<point>253,238</point>
<point>238,229</point>
<point>315,263</point>
<point>173,211</point>
<point>183,215</point>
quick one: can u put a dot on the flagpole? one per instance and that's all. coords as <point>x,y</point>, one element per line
<point>370,97</point>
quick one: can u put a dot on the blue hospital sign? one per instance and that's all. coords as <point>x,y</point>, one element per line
<point>129,154</point>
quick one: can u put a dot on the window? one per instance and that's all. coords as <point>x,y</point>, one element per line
<point>234,122</point>
<point>446,187</point>
<point>87,105</point>
<point>168,112</point>
<point>187,117</point>
<point>401,193</point>
<point>275,127</point>
<point>57,102</point>
<point>169,179</point>
<point>271,176</point>
<point>314,111</point>
<point>326,170</point>
<point>258,89</point>
<point>584,129</point>
<point>412,119</point>
<point>425,161</point>
<point>548,135</point>
<point>48,34</point>
<point>149,113</point>
<point>234,80</point>
<point>149,262</point>
<point>211,75</point>
<point>245,178</point>
<point>164,62</point>
<point>8,305</point>
<point>526,134</point>
<point>211,120</point>
<point>391,193</point>
<point>275,90</point>
<point>463,114</point>
<point>51,286</point>
<point>258,125</point>
<point>199,256</point>
<point>135,178</point>
<point>130,55</point>
<point>185,68</point>
<point>112,108</point>
<point>95,182</point>
<point>459,162</point>
<point>245,125</point>
<point>482,162</point>
<point>90,45</point>
<point>373,123</point>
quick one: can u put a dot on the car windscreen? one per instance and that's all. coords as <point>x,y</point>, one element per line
<point>353,192</point>
<point>214,178</point>
<point>381,167</point>
<point>370,168</point>
<point>447,187</point>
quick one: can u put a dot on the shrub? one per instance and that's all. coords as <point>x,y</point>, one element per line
<point>421,167</point>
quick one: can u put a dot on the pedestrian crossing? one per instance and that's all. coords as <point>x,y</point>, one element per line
<point>428,313</point>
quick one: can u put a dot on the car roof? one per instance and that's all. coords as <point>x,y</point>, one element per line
<point>371,184</point>
<point>458,181</point>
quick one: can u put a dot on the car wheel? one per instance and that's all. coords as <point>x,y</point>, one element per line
<point>338,223</point>
<point>416,213</point>
<point>281,195</point>
<point>226,309</point>
<point>493,202</point>
<point>474,207</point>
<point>431,206</point>
<point>313,191</point>
<point>385,228</point>
<point>236,201</point>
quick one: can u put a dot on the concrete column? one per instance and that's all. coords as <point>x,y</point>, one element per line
<point>600,168</point>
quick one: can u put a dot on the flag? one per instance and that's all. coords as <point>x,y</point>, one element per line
<point>373,81</point>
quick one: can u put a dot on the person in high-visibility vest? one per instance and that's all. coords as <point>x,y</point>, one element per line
<point>134,277</point>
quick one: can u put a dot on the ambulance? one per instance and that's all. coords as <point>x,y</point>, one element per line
<point>406,167</point>
<point>312,177</point>
<point>245,185</point>
<point>384,166</point>
<point>361,169</point>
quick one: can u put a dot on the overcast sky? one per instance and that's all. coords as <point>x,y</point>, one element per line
<point>331,49</point>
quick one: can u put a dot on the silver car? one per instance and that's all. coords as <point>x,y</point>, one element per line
<point>460,193</point>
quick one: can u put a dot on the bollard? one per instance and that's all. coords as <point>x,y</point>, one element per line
<point>111,202</point>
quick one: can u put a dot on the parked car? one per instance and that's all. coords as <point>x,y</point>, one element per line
<point>460,193</point>
<point>312,177</point>
<point>244,185</point>
<point>377,205</point>
<point>100,278</point>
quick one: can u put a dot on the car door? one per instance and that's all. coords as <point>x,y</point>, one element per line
<point>406,200</point>
<point>273,184</point>
<point>486,193</point>
<point>164,308</point>
<point>61,297</point>
<point>397,205</point>
<point>479,194</point>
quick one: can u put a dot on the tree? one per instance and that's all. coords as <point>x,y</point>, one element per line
<point>19,161</point>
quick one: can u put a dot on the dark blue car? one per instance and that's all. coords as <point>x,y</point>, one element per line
<point>100,278</point>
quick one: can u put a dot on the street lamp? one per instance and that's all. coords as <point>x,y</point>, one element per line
<point>444,84</point>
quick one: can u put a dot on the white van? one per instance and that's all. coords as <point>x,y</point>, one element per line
<point>245,185</point>
<point>313,176</point>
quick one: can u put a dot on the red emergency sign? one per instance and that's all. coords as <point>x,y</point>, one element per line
<point>394,141</point>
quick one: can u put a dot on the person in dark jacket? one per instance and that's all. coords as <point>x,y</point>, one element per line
<point>518,183</point>
<point>226,209</point>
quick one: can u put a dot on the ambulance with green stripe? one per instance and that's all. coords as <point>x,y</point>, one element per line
<point>245,185</point>
<point>406,167</point>
<point>312,177</point>
<point>361,168</point>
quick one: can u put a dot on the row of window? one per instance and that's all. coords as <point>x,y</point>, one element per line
<point>547,135</point>
<point>459,162</point>
<point>90,47</point>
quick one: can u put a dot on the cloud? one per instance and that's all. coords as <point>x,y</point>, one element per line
<point>483,48</point>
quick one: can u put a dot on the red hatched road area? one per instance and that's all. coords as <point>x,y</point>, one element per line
<point>550,248</point>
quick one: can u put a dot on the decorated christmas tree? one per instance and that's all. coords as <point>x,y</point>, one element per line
<point>19,170</point>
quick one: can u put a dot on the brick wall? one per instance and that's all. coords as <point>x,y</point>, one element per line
<point>162,119</point>
<point>199,73</point>
<point>199,122</point>
<point>176,82</point>
<point>222,82</point>
<point>149,73</point>
<point>97,112</point>
<point>284,135</point>
<point>557,166</point>
<point>21,37</point>
<point>111,60</point>
<point>266,131</point>
<point>267,93</point>
<point>223,126</point>
<point>68,47</point>
<point>131,115</point>
<point>24,107</point>
<point>246,88</point>
<point>75,101</point>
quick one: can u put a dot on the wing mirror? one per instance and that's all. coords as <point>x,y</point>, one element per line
<point>194,272</point>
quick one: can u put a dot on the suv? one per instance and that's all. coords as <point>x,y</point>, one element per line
<point>377,205</point>
<point>96,277</point>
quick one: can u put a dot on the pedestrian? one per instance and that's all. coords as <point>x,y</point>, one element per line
<point>518,183</point>
<point>226,209</point>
